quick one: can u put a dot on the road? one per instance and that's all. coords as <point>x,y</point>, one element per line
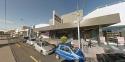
<point>24,53</point>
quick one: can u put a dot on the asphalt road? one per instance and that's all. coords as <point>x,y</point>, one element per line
<point>24,53</point>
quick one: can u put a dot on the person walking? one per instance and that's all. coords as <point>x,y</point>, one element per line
<point>89,44</point>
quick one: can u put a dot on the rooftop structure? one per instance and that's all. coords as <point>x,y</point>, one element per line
<point>107,10</point>
<point>88,20</point>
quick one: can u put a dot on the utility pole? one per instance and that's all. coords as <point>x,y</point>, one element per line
<point>78,24</point>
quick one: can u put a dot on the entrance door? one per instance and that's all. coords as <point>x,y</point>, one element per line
<point>87,35</point>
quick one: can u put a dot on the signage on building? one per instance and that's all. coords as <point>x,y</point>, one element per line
<point>56,19</point>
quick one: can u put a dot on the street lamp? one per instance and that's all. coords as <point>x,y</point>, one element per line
<point>78,23</point>
<point>78,29</point>
<point>78,26</point>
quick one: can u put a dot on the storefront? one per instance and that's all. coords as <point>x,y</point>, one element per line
<point>90,29</point>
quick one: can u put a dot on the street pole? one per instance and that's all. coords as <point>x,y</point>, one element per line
<point>78,24</point>
<point>78,27</point>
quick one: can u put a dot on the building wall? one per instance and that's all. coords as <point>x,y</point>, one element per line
<point>1,32</point>
<point>107,10</point>
<point>122,32</point>
<point>71,17</point>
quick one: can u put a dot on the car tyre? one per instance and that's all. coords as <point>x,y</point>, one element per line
<point>41,52</point>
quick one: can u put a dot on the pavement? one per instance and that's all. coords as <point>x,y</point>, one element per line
<point>90,53</point>
<point>5,52</point>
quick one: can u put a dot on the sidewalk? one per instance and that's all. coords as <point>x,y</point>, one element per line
<point>5,52</point>
<point>90,53</point>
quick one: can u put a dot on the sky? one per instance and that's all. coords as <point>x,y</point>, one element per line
<point>32,12</point>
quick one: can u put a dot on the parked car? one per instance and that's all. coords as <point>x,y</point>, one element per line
<point>44,47</point>
<point>24,39</point>
<point>67,53</point>
<point>31,41</point>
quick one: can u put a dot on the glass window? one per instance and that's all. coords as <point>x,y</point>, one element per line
<point>33,39</point>
<point>38,44</point>
<point>65,49</point>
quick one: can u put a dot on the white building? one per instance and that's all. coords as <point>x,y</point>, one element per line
<point>108,10</point>
<point>67,18</point>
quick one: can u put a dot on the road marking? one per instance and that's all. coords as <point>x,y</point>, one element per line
<point>18,45</point>
<point>33,58</point>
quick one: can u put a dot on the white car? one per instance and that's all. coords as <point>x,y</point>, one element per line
<point>44,48</point>
<point>31,42</point>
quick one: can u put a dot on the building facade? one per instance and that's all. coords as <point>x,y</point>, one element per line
<point>90,27</point>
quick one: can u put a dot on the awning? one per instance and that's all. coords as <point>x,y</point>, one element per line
<point>59,26</point>
<point>102,20</point>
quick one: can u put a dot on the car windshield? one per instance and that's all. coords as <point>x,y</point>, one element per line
<point>69,49</point>
<point>45,43</point>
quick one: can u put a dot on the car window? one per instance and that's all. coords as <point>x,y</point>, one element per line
<point>45,44</point>
<point>42,44</point>
<point>33,39</point>
<point>38,44</point>
<point>66,49</point>
<point>26,37</point>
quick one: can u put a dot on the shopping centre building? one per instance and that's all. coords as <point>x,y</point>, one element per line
<point>89,28</point>
<point>91,24</point>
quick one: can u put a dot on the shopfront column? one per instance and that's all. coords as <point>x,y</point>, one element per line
<point>101,38</point>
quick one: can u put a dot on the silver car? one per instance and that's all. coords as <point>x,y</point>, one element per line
<point>44,47</point>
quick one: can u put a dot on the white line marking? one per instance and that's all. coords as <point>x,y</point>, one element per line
<point>33,58</point>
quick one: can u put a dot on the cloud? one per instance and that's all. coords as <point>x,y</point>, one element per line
<point>7,21</point>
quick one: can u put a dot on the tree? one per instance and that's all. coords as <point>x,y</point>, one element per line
<point>63,39</point>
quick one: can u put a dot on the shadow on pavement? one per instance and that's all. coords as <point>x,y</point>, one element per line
<point>67,61</point>
<point>117,57</point>
<point>7,44</point>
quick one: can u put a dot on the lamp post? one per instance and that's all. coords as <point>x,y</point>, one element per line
<point>78,27</point>
<point>78,24</point>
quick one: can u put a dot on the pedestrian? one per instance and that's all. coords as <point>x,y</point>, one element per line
<point>89,43</point>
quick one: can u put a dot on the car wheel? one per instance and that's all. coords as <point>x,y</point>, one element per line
<point>57,56</point>
<point>41,52</point>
